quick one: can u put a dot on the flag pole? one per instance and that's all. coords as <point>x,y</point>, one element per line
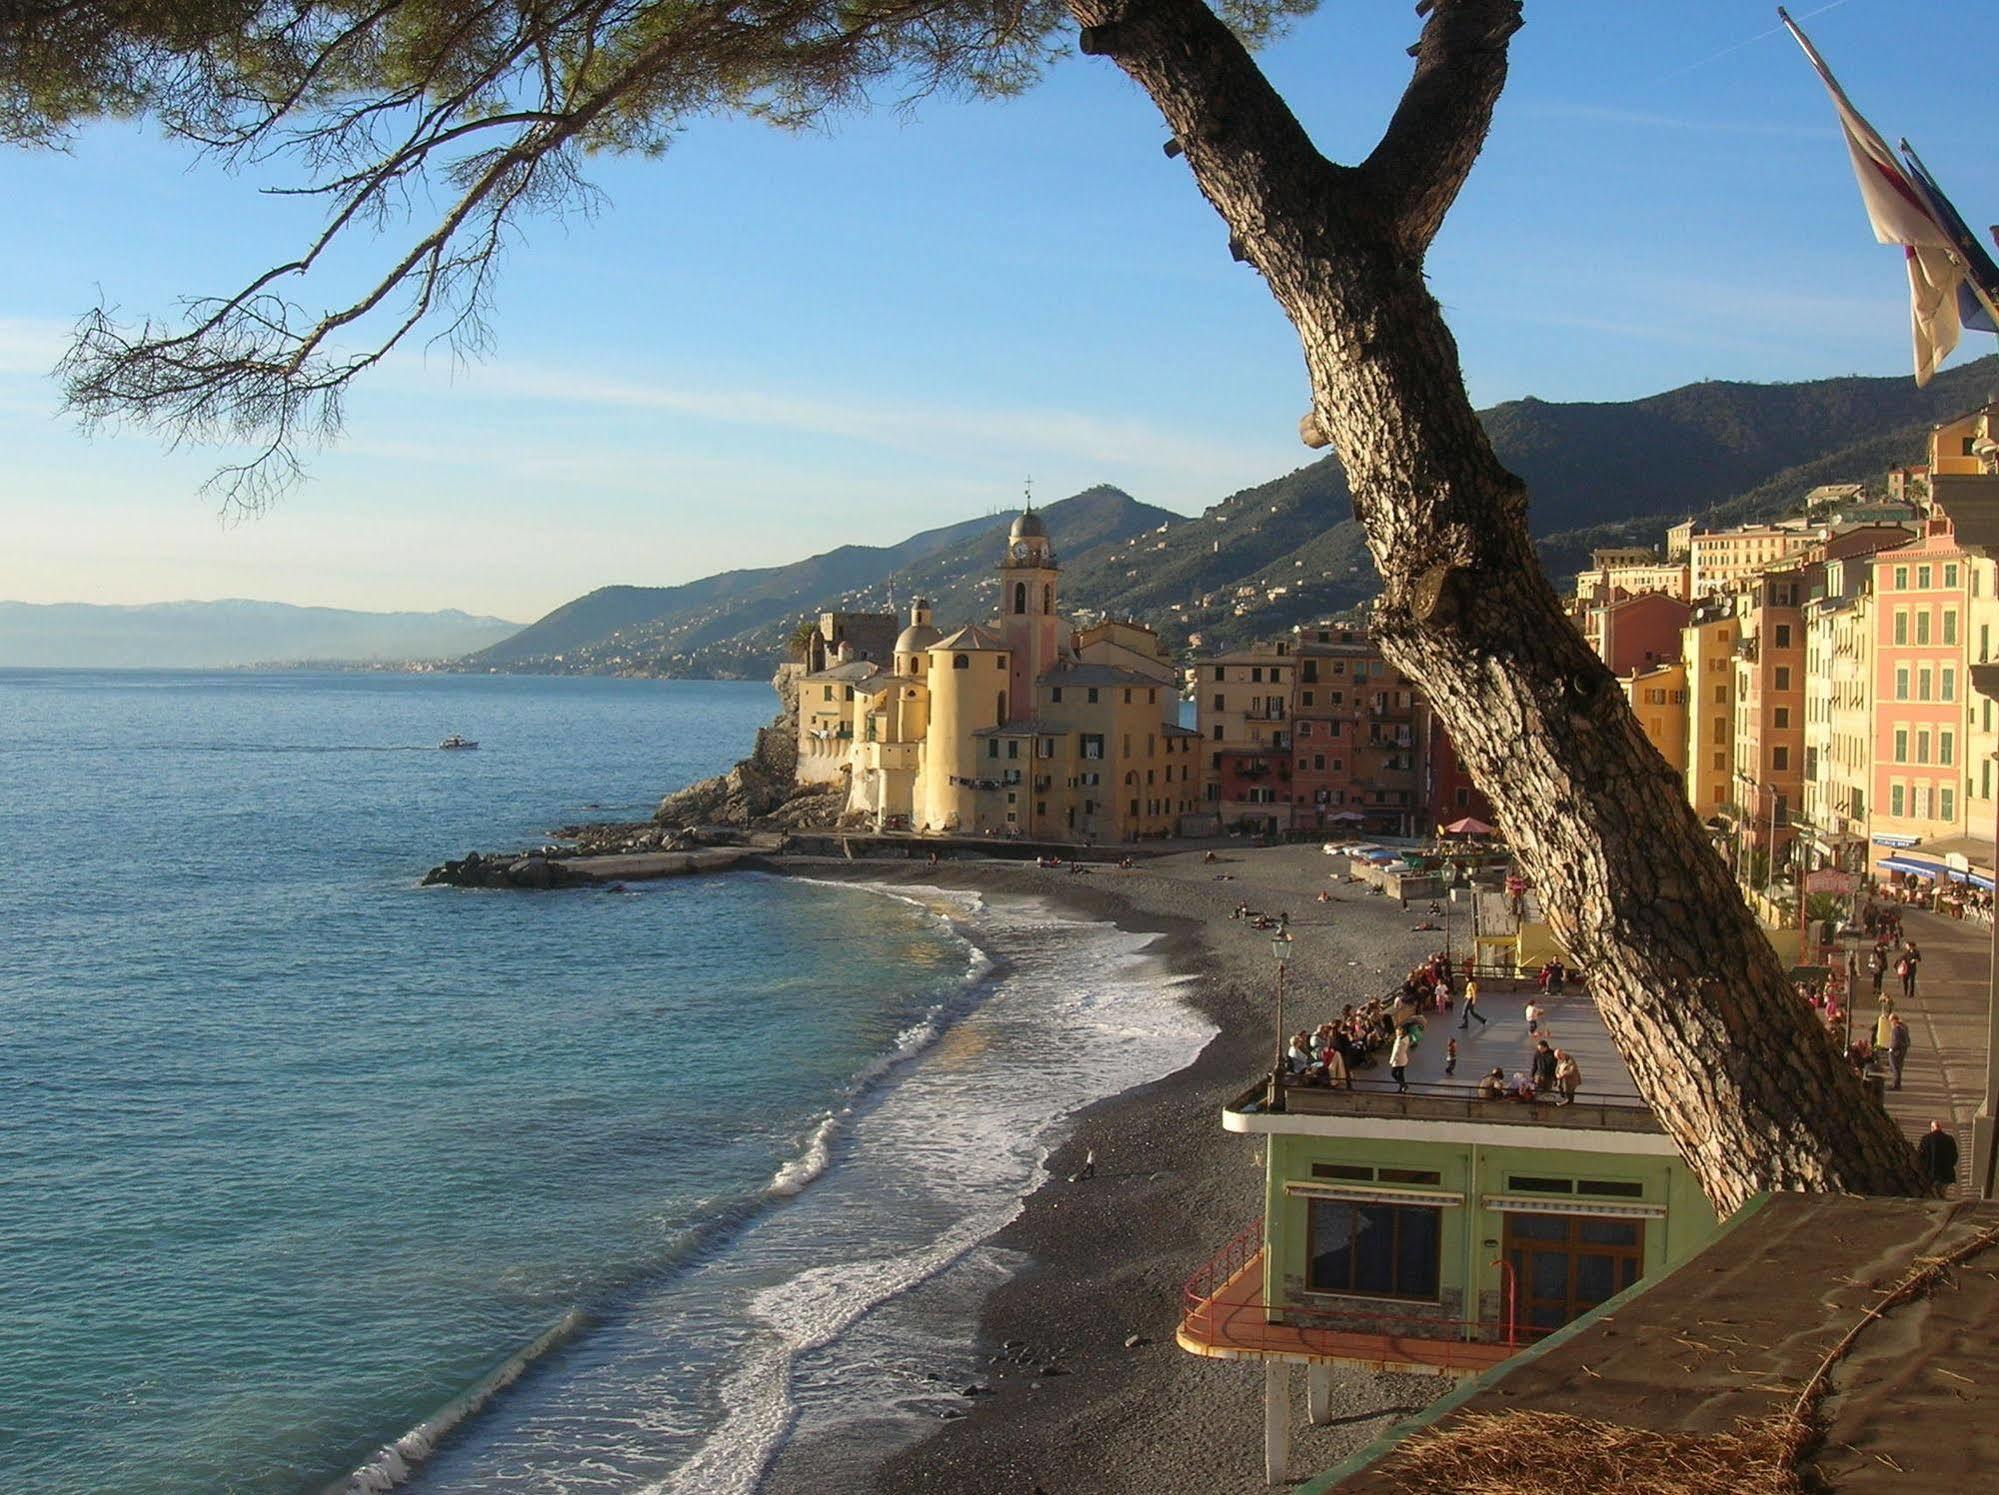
<point>1982,279</point>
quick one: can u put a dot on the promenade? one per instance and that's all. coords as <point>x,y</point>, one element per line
<point>1945,1073</point>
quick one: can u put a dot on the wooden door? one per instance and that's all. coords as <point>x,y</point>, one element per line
<point>1564,1265</point>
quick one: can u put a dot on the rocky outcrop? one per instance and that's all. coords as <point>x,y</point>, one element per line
<point>763,789</point>
<point>531,871</point>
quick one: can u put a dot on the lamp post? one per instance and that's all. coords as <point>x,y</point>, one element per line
<point>1450,877</point>
<point>1280,946</point>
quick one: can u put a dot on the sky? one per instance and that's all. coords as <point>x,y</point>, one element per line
<point>766,344</point>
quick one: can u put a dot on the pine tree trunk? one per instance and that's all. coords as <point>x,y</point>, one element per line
<point>1739,1070</point>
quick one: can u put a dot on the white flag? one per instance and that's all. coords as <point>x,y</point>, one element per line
<point>1900,215</point>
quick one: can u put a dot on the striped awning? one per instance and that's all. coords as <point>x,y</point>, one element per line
<point>1911,865</point>
<point>1372,1194</point>
<point>1556,1204</point>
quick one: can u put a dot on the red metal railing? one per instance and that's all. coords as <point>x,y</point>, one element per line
<point>1223,1267</point>
<point>1225,1311</point>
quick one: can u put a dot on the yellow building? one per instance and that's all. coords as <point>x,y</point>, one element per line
<point>1633,579</point>
<point>1966,445</point>
<point>1839,714</point>
<point>827,703</point>
<point>1244,700</point>
<point>1658,698</point>
<point>1707,653</point>
<point>1721,557</point>
<point>1026,728</point>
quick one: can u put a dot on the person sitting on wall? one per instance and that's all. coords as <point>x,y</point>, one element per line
<point>1493,1086</point>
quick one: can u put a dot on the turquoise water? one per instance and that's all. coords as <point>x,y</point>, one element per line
<point>301,1166</point>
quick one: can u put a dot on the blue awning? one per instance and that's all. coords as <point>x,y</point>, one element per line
<point>1919,869</point>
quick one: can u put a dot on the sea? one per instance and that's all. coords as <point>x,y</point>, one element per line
<point>316,1180</point>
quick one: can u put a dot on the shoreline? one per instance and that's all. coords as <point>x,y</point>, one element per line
<point>1101,1261</point>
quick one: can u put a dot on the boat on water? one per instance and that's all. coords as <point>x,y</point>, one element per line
<point>455,743</point>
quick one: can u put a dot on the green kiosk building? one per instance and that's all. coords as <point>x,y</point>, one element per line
<point>1435,1231</point>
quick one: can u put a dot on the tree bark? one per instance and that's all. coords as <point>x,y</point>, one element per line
<point>1739,1071</point>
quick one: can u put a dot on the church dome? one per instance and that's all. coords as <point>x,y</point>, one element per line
<point>1028,527</point>
<point>916,638</point>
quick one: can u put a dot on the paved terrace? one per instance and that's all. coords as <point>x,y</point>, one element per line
<point>1607,1100</point>
<point>1945,1074</point>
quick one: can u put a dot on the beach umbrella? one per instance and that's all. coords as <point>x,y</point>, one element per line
<point>1468,827</point>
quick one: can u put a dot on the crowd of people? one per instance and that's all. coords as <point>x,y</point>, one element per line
<point>1387,1031</point>
<point>1383,1030</point>
<point>1946,896</point>
<point>1887,973</point>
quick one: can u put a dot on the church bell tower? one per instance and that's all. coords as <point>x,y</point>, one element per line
<point>1029,621</point>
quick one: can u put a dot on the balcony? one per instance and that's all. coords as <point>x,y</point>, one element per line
<point>1374,1095</point>
<point>1225,1316</point>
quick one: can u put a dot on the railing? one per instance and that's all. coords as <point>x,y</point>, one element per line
<point>1223,1267</point>
<point>1224,1309</point>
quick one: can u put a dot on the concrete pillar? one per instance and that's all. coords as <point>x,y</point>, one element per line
<point>1276,1422</point>
<point>1319,1393</point>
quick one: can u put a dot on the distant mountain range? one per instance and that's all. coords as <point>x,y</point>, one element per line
<point>740,622</point>
<point>1289,550</point>
<point>230,634</point>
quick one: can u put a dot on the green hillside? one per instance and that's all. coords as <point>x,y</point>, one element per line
<point>1288,550</point>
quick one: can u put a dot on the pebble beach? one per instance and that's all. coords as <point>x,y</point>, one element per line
<point>1100,1262</point>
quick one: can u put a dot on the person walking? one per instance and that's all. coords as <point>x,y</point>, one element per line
<point>1471,1006</point>
<point>1877,965</point>
<point>1906,969</point>
<point>1451,1058</point>
<point>1398,1060</point>
<point>1533,1011</point>
<point>1898,1046</point>
<point>1937,1153</point>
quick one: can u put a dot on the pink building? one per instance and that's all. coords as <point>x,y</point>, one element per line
<point>1921,597</point>
<point>1637,633</point>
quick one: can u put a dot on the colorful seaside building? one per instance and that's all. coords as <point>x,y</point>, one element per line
<point>1028,727</point>
<point>1318,732</point>
<point>1436,1232</point>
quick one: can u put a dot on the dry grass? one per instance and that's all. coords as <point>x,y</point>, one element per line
<point>1553,1453</point>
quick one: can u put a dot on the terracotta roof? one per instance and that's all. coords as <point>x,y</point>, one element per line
<point>851,672</point>
<point>970,639</point>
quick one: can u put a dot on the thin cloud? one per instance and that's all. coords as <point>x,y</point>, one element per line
<point>928,429</point>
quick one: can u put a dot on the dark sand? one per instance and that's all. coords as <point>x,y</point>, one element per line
<point>1106,1258</point>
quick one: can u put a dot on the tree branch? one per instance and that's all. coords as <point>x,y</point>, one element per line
<point>1733,1063</point>
<point>1439,127</point>
<point>1251,158</point>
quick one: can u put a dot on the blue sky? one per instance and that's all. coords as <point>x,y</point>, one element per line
<point>767,345</point>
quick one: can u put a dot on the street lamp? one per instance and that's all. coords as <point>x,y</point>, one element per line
<point>1280,946</point>
<point>1450,877</point>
